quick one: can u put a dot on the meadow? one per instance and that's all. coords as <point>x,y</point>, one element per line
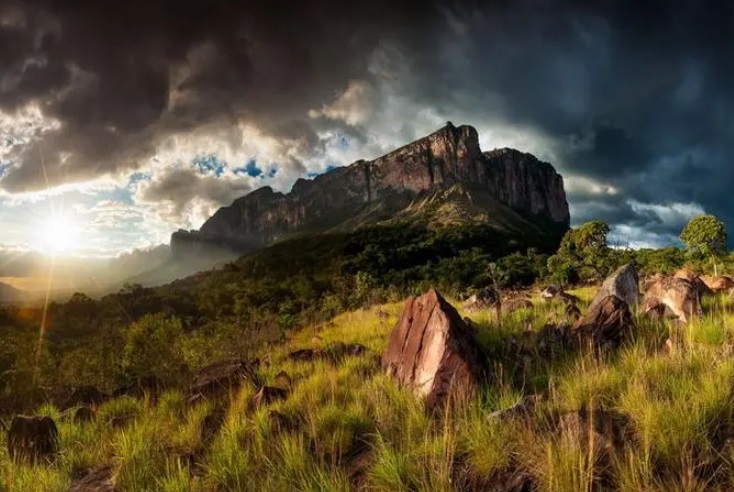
<point>345,425</point>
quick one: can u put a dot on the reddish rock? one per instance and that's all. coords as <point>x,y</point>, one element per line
<point>432,351</point>
<point>698,284</point>
<point>719,283</point>
<point>676,295</point>
<point>607,324</point>
<point>623,284</point>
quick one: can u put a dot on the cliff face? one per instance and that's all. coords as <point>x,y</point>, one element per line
<point>380,188</point>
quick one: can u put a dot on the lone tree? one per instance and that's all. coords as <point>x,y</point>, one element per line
<point>705,237</point>
<point>583,254</point>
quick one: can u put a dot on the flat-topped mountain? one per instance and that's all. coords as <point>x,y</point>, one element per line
<point>444,165</point>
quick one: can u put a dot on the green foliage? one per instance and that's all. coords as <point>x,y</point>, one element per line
<point>583,254</point>
<point>704,236</point>
<point>152,347</point>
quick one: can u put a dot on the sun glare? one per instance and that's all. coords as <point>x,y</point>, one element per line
<point>58,234</point>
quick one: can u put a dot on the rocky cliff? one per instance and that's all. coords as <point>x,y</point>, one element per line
<point>370,191</point>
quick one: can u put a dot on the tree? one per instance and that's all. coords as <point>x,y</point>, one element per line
<point>583,254</point>
<point>705,237</point>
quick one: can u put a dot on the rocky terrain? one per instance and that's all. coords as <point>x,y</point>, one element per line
<point>367,192</point>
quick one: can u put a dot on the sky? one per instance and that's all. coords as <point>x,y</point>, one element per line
<point>121,122</point>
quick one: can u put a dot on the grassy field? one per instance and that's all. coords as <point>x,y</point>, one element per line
<point>346,425</point>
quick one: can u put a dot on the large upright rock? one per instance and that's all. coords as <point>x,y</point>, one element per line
<point>382,187</point>
<point>623,284</point>
<point>432,351</point>
<point>606,324</point>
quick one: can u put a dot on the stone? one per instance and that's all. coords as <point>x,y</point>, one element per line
<point>304,355</point>
<point>96,480</point>
<point>551,292</point>
<point>32,439</point>
<point>83,414</point>
<point>676,295</point>
<point>623,284</point>
<point>450,156</point>
<point>267,395</point>
<point>719,283</point>
<point>607,324</point>
<point>219,378</point>
<point>698,284</point>
<point>433,352</point>
<point>484,299</point>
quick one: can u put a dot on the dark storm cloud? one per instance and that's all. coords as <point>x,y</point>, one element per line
<point>635,95</point>
<point>118,76</point>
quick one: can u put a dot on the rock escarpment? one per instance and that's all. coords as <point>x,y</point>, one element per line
<point>370,191</point>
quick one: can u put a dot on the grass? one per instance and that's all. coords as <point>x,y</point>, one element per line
<point>347,425</point>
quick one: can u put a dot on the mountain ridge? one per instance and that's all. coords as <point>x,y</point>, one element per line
<point>383,188</point>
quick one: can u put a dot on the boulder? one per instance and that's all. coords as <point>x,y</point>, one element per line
<point>304,355</point>
<point>719,283</point>
<point>623,284</point>
<point>337,351</point>
<point>32,439</point>
<point>551,292</point>
<point>606,324</point>
<point>522,409</point>
<point>211,425</point>
<point>699,285</point>
<point>676,295</point>
<point>432,351</point>
<point>219,378</point>
<point>266,395</point>
<point>97,480</point>
<point>484,299</point>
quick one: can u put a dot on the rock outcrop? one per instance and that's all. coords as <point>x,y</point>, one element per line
<point>674,295</point>
<point>623,284</point>
<point>375,190</point>
<point>607,324</point>
<point>432,351</point>
<point>719,283</point>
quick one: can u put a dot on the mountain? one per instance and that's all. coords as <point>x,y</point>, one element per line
<point>9,294</point>
<point>443,176</point>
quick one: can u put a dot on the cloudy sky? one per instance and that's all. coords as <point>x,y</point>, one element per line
<point>121,122</point>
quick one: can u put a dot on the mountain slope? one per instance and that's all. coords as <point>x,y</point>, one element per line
<point>369,192</point>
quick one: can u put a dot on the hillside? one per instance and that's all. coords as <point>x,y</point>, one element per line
<point>345,425</point>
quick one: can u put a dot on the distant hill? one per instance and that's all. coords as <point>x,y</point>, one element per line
<point>9,294</point>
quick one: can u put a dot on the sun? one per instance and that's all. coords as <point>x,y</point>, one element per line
<point>58,234</point>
